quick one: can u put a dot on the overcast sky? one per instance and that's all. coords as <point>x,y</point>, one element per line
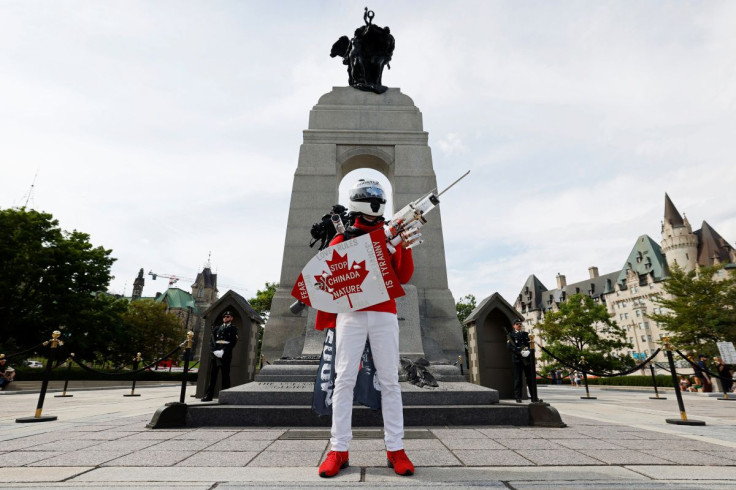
<point>171,129</point>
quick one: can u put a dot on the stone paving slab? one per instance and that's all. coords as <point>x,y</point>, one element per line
<point>530,443</point>
<point>507,473</point>
<point>78,458</point>
<point>688,457</point>
<point>207,435</point>
<point>63,445</point>
<point>212,458</point>
<point>125,445</point>
<point>108,486</point>
<point>585,444</point>
<point>206,474</point>
<point>279,459</point>
<point>617,485</point>
<point>624,456</point>
<point>474,444</point>
<point>22,458</point>
<point>686,473</point>
<point>232,444</point>
<point>48,474</point>
<point>491,458</point>
<point>147,457</point>
<point>556,457</point>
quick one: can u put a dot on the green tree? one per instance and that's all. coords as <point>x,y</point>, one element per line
<point>263,298</point>
<point>48,278</point>
<point>149,329</point>
<point>262,304</point>
<point>700,308</point>
<point>464,308</point>
<point>581,327</point>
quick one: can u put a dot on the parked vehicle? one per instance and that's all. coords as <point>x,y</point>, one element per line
<point>34,364</point>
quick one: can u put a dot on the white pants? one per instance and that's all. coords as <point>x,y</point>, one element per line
<point>382,329</point>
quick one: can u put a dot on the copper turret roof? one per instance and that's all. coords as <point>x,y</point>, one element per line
<point>671,215</point>
<point>711,246</point>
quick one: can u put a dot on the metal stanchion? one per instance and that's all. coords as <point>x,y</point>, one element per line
<point>136,361</point>
<point>654,383</point>
<point>460,363</point>
<point>53,344</point>
<point>726,398</point>
<point>585,380</point>
<point>683,420</point>
<point>174,414</point>
<point>187,351</point>
<point>66,381</point>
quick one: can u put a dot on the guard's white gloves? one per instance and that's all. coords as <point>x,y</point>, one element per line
<point>218,353</point>
<point>525,353</point>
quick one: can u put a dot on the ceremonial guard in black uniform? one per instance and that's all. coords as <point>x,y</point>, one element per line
<point>223,339</point>
<point>518,344</point>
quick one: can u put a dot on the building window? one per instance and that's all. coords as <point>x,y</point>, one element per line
<point>626,315</point>
<point>649,338</point>
<point>641,326</point>
<point>643,338</point>
<point>646,325</point>
<point>638,312</point>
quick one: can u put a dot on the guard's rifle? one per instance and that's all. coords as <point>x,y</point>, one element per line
<point>405,224</point>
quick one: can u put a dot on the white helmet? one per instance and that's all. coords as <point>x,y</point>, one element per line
<point>367,197</point>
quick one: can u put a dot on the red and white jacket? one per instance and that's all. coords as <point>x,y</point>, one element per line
<point>402,262</point>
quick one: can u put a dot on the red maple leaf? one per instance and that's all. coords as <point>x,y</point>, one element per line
<point>342,280</point>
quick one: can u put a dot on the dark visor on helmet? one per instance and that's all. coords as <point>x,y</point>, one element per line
<point>368,193</point>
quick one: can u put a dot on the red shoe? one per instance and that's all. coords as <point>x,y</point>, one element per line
<point>333,463</point>
<point>400,462</point>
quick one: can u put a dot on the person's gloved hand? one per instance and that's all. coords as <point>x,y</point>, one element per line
<point>525,353</point>
<point>218,353</point>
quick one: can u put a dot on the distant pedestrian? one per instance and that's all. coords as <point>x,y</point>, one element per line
<point>7,373</point>
<point>725,371</point>
<point>559,377</point>
<point>553,377</point>
<point>699,370</point>
<point>684,383</point>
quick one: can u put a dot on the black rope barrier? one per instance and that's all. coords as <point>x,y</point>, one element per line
<point>554,379</point>
<point>601,375</point>
<point>702,369</point>
<point>24,352</point>
<point>147,366</point>
<point>660,366</point>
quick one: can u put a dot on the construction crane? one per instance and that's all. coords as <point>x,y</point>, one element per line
<point>172,279</point>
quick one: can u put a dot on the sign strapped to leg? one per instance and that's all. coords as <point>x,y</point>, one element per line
<point>349,276</point>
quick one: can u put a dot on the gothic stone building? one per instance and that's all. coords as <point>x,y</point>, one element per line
<point>190,307</point>
<point>629,293</point>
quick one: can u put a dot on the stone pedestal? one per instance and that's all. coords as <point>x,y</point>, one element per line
<point>350,129</point>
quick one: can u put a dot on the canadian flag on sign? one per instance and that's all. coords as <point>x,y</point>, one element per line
<point>349,276</point>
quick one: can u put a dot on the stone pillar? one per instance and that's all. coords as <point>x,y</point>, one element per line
<point>350,129</point>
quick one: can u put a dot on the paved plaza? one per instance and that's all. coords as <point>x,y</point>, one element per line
<point>620,440</point>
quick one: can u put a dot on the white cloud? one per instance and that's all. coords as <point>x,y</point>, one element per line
<point>167,130</point>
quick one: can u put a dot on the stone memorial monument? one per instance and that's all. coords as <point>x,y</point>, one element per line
<point>365,125</point>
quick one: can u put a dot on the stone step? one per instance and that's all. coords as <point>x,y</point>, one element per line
<point>301,393</point>
<point>217,415</point>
